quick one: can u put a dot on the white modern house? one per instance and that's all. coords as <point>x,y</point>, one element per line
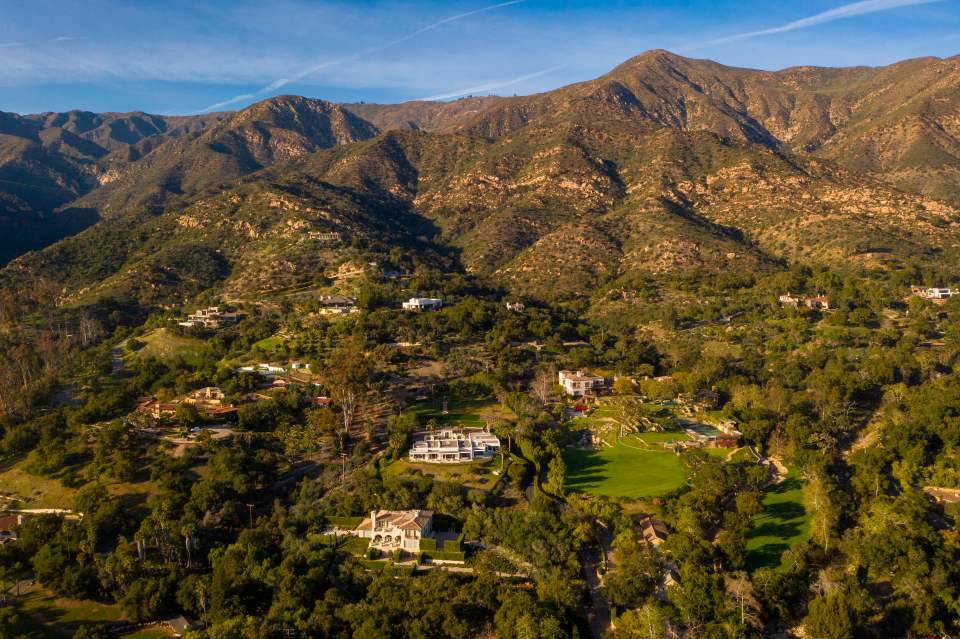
<point>396,529</point>
<point>423,304</point>
<point>211,317</point>
<point>579,383</point>
<point>451,446</point>
<point>267,370</point>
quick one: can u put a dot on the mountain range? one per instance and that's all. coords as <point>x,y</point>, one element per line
<point>662,166</point>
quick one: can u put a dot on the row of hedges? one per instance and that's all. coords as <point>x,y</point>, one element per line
<point>446,555</point>
<point>344,522</point>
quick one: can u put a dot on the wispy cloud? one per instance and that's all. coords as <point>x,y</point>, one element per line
<point>282,82</point>
<point>33,43</point>
<point>846,11</point>
<point>493,86</point>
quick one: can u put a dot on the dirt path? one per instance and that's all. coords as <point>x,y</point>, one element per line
<point>598,614</point>
<point>116,356</point>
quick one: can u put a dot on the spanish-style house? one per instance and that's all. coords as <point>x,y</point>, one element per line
<point>390,530</point>
<point>578,384</point>
<point>423,304</point>
<point>453,446</point>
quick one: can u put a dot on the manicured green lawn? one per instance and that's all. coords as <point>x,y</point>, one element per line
<point>467,413</point>
<point>149,633</point>
<point>783,523</point>
<point>656,440</point>
<point>48,615</point>
<point>622,471</point>
<point>269,343</point>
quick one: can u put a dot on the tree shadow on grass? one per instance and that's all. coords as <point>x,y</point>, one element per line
<point>586,470</point>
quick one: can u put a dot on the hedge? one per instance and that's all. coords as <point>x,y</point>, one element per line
<point>444,555</point>
<point>344,522</point>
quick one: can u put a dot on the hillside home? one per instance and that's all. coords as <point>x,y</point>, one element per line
<point>211,318</point>
<point>578,384</point>
<point>817,302</point>
<point>207,400</point>
<point>390,530</point>
<point>937,295</point>
<point>423,304</point>
<point>450,446</point>
<point>266,370</point>
<point>337,305</point>
<point>729,427</point>
<point>516,307</point>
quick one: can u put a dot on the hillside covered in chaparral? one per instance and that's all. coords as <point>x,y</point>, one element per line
<point>668,353</point>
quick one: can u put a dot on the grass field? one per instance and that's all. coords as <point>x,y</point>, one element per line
<point>622,471</point>
<point>164,345</point>
<point>148,633</point>
<point>45,492</point>
<point>51,616</point>
<point>49,492</point>
<point>783,523</point>
<point>467,413</point>
<point>473,475</point>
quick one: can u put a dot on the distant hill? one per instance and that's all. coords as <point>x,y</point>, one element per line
<point>664,166</point>
<point>101,164</point>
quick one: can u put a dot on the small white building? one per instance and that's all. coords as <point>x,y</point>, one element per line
<point>578,384</point>
<point>390,530</point>
<point>451,446</point>
<point>423,304</point>
<point>516,307</point>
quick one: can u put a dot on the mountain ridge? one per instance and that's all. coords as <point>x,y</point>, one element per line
<point>664,165</point>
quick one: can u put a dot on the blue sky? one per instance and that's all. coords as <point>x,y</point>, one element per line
<point>187,57</point>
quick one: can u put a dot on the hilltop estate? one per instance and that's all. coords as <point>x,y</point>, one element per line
<point>451,446</point>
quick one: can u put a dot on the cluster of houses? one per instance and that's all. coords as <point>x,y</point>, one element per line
<point>817,302</point>
<point>210,318</point>
<point>210,402</point>
<point>423,304</point>
<point>453,446</point>
<point>580,384</point>
<point>654,533</point>
<point>936,295</point>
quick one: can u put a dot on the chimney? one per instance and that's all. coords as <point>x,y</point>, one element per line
<point>373,520</point>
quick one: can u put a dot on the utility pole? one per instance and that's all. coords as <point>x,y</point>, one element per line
<point>250,512</point>
<point>343,468</point>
